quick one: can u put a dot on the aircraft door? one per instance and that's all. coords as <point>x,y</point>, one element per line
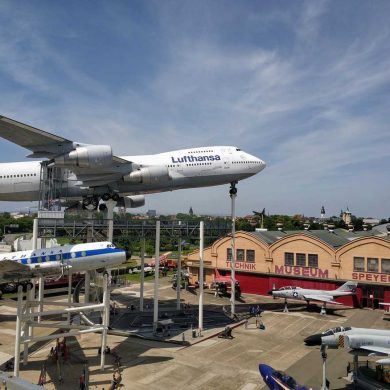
<point>226,161</point>
<point>180,167</point>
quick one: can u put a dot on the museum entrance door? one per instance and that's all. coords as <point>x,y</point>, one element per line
<point>372,295</point>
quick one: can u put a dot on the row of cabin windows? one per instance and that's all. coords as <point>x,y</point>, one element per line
<point>52,257</point>
<point>20,175</point>
<point>247,255</point>
<point>201,151</point>
<point>188,165</point>
<point>371,265</point>
<point>301,259</point>
<point>245,162</point>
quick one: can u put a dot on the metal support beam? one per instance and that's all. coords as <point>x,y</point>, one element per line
<point>34,241</point>
<point>69,294</point>
<point>106,313</point>
<point>41,292</point>
<point>156,276</point>
<point>18,331</point>
<point>324,356</point>
<point>28,330</point>
<point>201,276</point>
<point>178,278</point>
<point>87,282</point>
<point>110,219</point>
<point>233,195</point>
<point>65,310</point>
<point>141,288</point>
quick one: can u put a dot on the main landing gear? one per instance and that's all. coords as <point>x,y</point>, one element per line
<point>91,203</point>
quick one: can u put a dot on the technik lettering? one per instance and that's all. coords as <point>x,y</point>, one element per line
<point>184,159</point>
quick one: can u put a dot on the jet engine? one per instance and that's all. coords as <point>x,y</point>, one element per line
<point>130,202</point>
<point>148,175</point>
<point>90,156</point>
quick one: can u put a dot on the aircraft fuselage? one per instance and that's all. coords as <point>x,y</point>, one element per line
<point>187,168</point>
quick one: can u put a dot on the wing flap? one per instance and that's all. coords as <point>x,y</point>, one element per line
<point>321,298</point>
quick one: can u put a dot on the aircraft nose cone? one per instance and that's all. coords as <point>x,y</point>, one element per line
<point>313,340</point>
<point>270,292</point>
<point>261,165</point>
<point>265,370</point>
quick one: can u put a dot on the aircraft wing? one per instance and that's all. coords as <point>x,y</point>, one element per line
<point>12,268</point>
<point>321,298</point>
<point>384,303</point>
<point>382,350</point>
<point>41,143</point>
<point>38,141</point>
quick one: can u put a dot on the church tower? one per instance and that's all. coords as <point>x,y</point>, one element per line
<point>322,217</point>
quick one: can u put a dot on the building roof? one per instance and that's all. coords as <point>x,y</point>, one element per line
<point>336,238</point>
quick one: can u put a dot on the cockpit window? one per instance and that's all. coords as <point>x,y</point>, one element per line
<point>286,379</point>
<point>238,149</point>
<point>336,330</point>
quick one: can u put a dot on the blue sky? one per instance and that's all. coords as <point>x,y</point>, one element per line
<point>303,85</point>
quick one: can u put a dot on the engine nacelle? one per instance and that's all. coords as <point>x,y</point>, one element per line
<point>89,156</point>
<point>134,201</point>
<point>148,175</point>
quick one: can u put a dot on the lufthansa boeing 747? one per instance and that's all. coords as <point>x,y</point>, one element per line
<point>94,174</point>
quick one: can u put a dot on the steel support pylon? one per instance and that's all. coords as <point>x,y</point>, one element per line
<point>156,276</point>
<point>233,195</point>
<point>178,275</point>
<point>201,276</point>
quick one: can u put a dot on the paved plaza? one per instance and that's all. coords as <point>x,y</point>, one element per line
<point>210,362</point>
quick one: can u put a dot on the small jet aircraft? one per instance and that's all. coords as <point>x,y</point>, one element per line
<point>375,341</point>
<point>330,337</point>
<point>25,265</point>
<point>279,380</point>
<point>222,285</point>
<point>305,294</point>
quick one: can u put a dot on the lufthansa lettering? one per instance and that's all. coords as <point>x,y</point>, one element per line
<point>302,271</point>
<point>371,277</point>
<point>185,159</point>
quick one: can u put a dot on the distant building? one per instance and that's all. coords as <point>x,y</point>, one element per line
<point>151,213</point>
<point>371,221</point>
<point>321,259</point>
<point>191,212</point>
<point>18,215</point>
<point>322,213</point>
<point>347,217</point>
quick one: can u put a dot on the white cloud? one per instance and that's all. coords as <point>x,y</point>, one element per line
<point>315,106</point>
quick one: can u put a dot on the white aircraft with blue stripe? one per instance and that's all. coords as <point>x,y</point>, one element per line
<point>24,265</point>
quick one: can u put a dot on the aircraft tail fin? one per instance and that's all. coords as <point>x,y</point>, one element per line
<point>348,287</point>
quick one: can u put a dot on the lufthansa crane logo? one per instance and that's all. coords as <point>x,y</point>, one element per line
<point>295,294</point>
